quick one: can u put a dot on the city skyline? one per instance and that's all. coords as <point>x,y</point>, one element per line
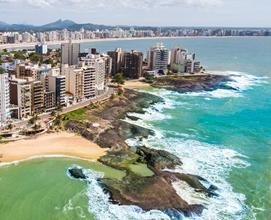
<point>230,13</point>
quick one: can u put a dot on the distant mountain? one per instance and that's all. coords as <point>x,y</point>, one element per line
<point>57,25</point>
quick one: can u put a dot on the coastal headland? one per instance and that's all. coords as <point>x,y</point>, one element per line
<point>99,132</point>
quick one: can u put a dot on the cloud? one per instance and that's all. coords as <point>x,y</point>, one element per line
<point>119,3</point>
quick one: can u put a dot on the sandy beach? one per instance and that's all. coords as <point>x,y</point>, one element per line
<point>135,84</point>
<point>62,143</point>
<point>17,46</point>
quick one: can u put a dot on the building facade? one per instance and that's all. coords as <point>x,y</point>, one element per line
<point>158,59</point>
<point>4,98</point>
<point>132,65</point>
<point>70,53</point>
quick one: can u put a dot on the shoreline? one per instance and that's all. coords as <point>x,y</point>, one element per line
<point>63,144</point>
<point>57,43</point>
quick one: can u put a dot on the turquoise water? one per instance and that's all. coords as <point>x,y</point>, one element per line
<point>223,135</point>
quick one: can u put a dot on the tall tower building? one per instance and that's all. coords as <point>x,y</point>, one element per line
<point>132,64</point>
<point>70,53</point>
<point>117,60</point>
<point>158,59</point>
<point>21,96</point>
<point>4,98</point>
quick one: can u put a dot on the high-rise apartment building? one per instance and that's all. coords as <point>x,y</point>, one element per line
<point>56,84</point>
<point>75,82</point>
<point>117,60</point>
<point>89,79</point>
<point>99,64</point>
<point>4,98</point>
<point>70,53</point>
<point>158,59</point>
<point>132,65</point>
<point>37,91</point>
<point>21,96</point>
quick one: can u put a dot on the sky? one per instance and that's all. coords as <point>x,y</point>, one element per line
<point>233,13</point>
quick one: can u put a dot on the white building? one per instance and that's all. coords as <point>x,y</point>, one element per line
<point>4,98</point>
<point>99,64</point>
<point>158,59</point>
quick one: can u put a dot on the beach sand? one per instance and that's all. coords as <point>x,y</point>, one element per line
<point>135,84</point>
<point>62,143</point>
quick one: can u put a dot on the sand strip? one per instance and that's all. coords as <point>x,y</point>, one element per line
<point>63,143</point>
<point>135,84</point>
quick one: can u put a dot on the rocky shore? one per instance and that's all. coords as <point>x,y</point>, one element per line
<point>146,183</point>
<point>191,83</point>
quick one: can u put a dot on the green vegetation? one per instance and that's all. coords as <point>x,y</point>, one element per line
<point>79,114</point>
<point>141,169</point>
<point>2,71</point>
<point>119,79</point>
<point>126,160</point>
<point>149,78</point>
<point>20,54</point>
<point>35,58</point>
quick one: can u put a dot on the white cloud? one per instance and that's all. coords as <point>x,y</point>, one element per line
<point>119,3</point>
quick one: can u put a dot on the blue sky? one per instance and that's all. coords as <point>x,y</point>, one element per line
<point>246,13</point>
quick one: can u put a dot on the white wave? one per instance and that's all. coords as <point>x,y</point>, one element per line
<point>239,82</point>
<point>214,164</point>
<point>102,209</point>
<point>209,161</point>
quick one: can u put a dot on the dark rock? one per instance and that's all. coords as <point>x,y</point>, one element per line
<point>158,159</point>
<point>192,83</point>
<point>77,173</point>
<point>128,130</point>
<point>150,193</point>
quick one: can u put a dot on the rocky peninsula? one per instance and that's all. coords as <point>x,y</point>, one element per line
<point>191,83</point>
<point>146,183</point>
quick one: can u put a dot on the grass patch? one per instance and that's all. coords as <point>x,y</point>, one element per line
<point>141,169</point>
<point>80,115</point>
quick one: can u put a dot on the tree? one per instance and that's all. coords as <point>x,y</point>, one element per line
<point>10,126</point>
<point>58,120</point>
<point>35,58</point>
<point>149,78</point>
<point>2,71</point>
<point>119,79</point>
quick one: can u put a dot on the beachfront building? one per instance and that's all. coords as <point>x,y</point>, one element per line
<point>98,63</point>
<point>74,82</point>
<point>20,96</point>
<point>183,62</point>
<point>117,60</point>
<point>70,53</point>
<point>89,79</point>
<point>56,84</point>
<point>4,98</point>
<point>37,91</point>
<point>158,59</point>
<point>132,65</point>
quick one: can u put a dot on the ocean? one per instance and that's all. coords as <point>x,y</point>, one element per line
<point>223,136</point>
